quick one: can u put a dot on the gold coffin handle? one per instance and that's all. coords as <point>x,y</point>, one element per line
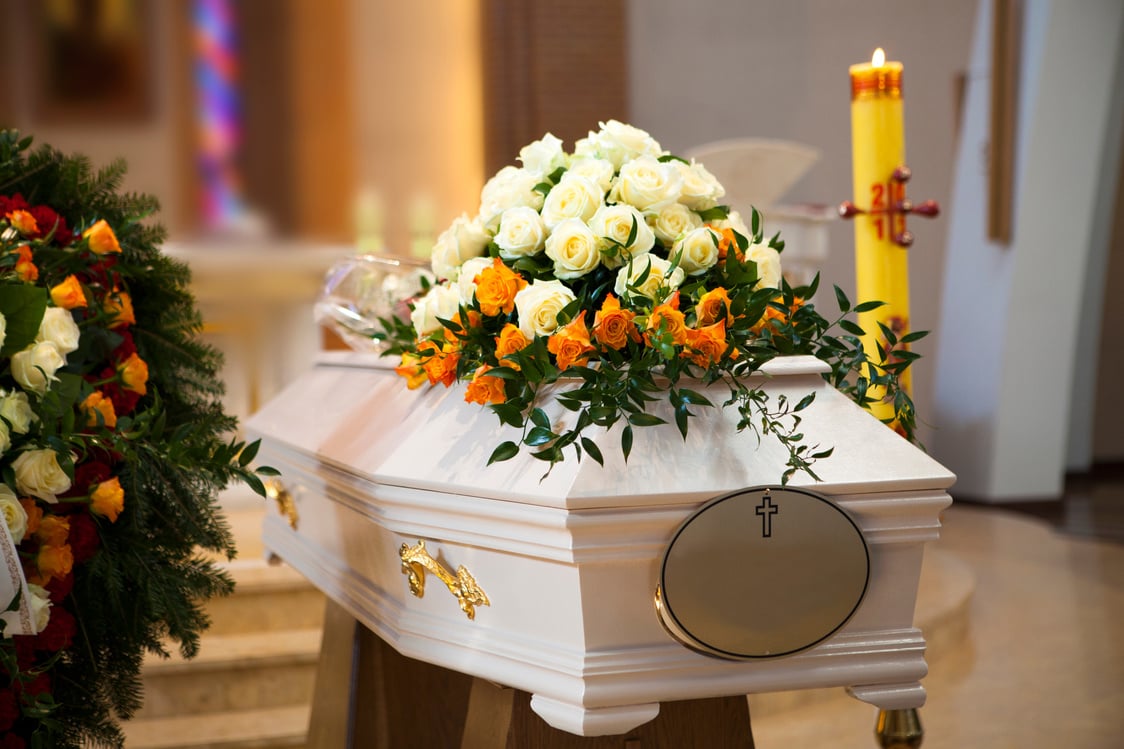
<point>276,491</point>
<point>416,560</point>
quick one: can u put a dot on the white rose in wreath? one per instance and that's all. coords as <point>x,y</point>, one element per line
<point>15,517</point>
<point>3,329</point>
<point>466,283</point>
<point>39,474</point>
<point>58,327</point>
<point>15,409</point>
<point>701,189</point>
<point>647,184</point>
<point>465,239</point>
<point>543,156</point>
<point>673,221</point>
<point>598,171</point>
<point>573,248</point>
<point>659,274</point>
<point>34,368</point>
<point>40,605</point>
<point>612,224</point>
<point>522,232</point>
<point>538,305</point>
<point>441,302</point>
<point>618,143</point>
<point>509,188</point>
<point>697,251</point>
<point>573,197</point>
<point>768,265</point>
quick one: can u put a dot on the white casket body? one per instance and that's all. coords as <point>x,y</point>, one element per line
<point>570,562</point>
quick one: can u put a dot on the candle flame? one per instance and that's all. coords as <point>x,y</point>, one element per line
<point>878,59</point>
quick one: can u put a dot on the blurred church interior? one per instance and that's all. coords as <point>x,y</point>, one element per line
<point>282,136</point>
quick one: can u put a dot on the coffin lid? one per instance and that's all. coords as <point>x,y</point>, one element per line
<point>351,413</point>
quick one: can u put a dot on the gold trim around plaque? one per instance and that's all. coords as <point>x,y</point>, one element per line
<point>416,560</point>
<point>762,573</point>
<point>276,491</point>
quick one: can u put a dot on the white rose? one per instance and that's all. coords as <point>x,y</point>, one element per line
<point>3,329</point>
<point>466,283</point>
<point>40,605</point>
<point>509,188</point>
<point>15,517</point>
<point>34,368</point>
<point>768,265</point>
<point>573,197</point>
<point>659,275</point>
<point>573,248</point>
<point>538,305</point>
<point>733,221</point>
<point>697,251</point>
<point>58,327</point>
<point>673,221</point>
<point>701,189</point>
<point>598,171</point>
<point>615,222</point>
<point>465,239</point>
<point>441,302</point>
<point>5,437</point>
<point>522,232</point>
<point>647,184</point>
<point>15,410</point>
<point>618,143</point>
<point>38,473</point>
<point>543,156</point>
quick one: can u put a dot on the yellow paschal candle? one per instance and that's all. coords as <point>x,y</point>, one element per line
<point>877,149</point>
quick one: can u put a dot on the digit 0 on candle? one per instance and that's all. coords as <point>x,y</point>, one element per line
<point>877,149</point>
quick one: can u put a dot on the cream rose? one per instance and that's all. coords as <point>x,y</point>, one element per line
<point>441,302</point>
<point>543,156</point>
<point>15,517</point>
<point>34,368</point>
<point>598,171</point>
<point>15,410</point>
<point>612,224</point>
<point>466,282</point>
<point>538,305</point>
<point>3,329</point>
<point>522,232</point>
<point>573,197</point>
<point>647,184</point>
<point>509,188</point>
<point>58,327</point>
<point>697,251</point>
<point>660,274</point>
<point>733,221</point>
<point>466,238</point>
<point>768,265</point>
<point>617,143</point>
<point>701,189</point>
<point>573,248</point>
<point>40,605</point>
<point>5,437</point>
<point>38,473</point>
<point>673,221</point>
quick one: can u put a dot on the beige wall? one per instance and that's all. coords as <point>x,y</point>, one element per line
<point>779,70</point>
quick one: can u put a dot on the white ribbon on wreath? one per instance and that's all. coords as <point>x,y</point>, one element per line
<point>17,617</point>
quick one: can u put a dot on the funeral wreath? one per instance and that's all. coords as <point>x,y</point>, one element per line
<point>113,445</point>
<point>615,275</point>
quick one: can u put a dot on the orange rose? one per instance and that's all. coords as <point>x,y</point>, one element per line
<point>510,340</point>
<point>25,268</point>
<point>474,321</point>
<point>23,222</point>
<point>442,365</point>
<point>496,288</point>
<point>119,306</point>
<point>668,317</point>
<point>101,238</point>
<point>613,326</point>
<point>712,306</point>
<point>96,404</point>
<point>570,344</point>
<point>34,514</point>
<point>772,314</point>
<point>108,499</point>
<point>54,561</point>
<point>484,388</point>
<point>68,294</point>
<point>53,530</point>
<point>727,241</point>
<point>134,373</point>
<point>412,370</point>
<point>706,346</point>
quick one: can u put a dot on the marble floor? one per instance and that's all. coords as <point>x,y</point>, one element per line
<point>1040,662</point>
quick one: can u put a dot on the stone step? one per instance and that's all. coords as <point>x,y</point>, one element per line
<point>245,671</point>
<point>269,728</point>
<point>266,598</point>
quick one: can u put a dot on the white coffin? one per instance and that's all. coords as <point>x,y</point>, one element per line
<point>570,563</point>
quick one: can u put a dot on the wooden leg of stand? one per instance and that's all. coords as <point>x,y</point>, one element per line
<point>899,729</point>
<point>330,725</point>
<point>489,716</point>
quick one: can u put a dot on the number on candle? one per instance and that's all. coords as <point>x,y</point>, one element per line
<point>877,207</point>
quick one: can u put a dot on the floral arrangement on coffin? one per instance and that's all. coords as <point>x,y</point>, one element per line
<point>616,272</point>
<point>112,450</point>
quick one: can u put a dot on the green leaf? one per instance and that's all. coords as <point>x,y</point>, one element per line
<point>868,306</point>
<point>249,452</point>
<point>690,396</point>
<point>508,414</point>
<point>539,418</point>
<point>844,302</point>
<point>538,436</point>
<point>23,307</point>
<point>804,402</point>
<point>645,420</point>
<point>914,336</point>
<point>593,450</point>
<point>851,327</point>
<point>505,451</point>
<point>717,213</point>
<point>626,442</point>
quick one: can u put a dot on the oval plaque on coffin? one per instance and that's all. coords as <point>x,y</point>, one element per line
<point>762,573</point>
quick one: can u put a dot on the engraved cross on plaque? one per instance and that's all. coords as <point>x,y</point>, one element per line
<point>767,510</point>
